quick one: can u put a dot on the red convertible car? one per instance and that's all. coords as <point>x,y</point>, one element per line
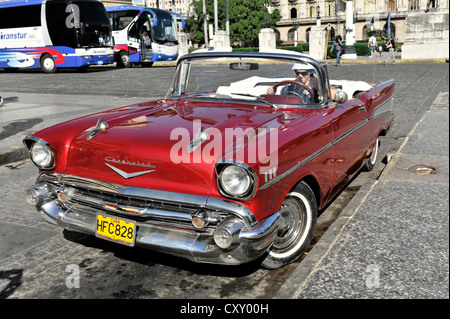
<point>231,166</point>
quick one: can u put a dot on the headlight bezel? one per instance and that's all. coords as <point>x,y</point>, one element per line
<point>32,143</point>
<point>252,178</point>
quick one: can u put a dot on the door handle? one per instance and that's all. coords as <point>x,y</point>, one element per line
<point>362,108</point>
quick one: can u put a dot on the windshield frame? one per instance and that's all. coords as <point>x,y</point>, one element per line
<point>177,89</point>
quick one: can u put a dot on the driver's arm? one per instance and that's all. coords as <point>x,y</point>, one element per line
<point>333,93</point>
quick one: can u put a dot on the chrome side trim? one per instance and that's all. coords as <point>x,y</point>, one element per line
<point>387,107</point>
<point>375,114</point>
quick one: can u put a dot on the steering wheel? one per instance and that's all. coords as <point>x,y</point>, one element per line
<point>295,83</point>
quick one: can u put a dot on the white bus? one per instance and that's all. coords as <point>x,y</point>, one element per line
<point>51,34</point>
<point>144,35</point>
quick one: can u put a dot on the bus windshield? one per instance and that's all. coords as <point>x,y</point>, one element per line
<point>89,26</point>
<point>165,29</point>
<point>94,24</point>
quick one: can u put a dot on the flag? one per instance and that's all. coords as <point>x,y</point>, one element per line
<point>389,25</point>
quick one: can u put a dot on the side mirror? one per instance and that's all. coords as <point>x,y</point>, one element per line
<point>341,97</point>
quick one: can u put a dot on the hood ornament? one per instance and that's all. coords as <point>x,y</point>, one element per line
<point>100,126</point>
<point>200,137</point>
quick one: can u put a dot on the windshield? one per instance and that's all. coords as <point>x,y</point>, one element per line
<point>274,82</point>
<point>165,29</point>
<point>94,29</point>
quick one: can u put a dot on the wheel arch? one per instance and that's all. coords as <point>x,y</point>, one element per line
<point>312,182</point>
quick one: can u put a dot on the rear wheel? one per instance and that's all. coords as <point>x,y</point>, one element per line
<point>48,64</point>
<point>373,158</point>
<point>298,220</point>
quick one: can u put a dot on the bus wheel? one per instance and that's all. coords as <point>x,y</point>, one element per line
<point>47,64</point>
<point>124,60</point>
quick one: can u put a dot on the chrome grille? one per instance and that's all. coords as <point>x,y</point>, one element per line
<point>140,204</point>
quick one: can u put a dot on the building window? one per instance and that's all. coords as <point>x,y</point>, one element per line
<point>414,4</point>
<point>291,35</point>
<point>293,13</point>
<point>391,5</point>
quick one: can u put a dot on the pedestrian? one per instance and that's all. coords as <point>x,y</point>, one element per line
<point>337,46</point>
<point>372,45</point>
<point>390,45</point>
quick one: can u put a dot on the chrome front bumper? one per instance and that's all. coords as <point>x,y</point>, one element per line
<point>158,228</point>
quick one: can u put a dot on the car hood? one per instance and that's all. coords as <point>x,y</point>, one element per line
<point>147,145</point>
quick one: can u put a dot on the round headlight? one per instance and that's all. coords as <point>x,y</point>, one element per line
<point>235,180</point>
<point>41,155</point>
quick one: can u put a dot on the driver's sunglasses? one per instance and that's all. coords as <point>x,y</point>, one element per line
<point>304,73</point>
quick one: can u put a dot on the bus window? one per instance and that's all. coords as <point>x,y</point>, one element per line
<point>120,20</point>
<point>20,17</point>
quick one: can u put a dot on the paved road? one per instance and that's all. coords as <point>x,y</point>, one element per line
<point>38,264</point>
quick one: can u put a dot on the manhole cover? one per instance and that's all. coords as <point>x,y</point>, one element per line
<point>422,170</point>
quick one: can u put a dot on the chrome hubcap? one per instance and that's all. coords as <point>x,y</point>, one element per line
<point>292,223</point>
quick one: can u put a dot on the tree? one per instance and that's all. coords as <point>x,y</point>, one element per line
<point>247,18</point>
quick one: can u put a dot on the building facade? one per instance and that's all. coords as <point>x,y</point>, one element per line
<point>301,15</point>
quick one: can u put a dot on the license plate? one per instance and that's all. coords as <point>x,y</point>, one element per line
<point>99,62</point>
<point>116,229</point>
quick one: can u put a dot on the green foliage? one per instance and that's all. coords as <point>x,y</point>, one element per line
<point>247,18</point>
<point>361,49</point>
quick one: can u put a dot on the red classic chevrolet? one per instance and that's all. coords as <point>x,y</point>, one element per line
<point>231,166</point>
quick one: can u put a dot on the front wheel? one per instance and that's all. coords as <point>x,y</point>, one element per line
<point>124,60</point>
<point>298,220</point>
<point>48,64</point>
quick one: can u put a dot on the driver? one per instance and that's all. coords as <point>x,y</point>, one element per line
<point>305,75</point>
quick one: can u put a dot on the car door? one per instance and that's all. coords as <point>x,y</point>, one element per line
<point>351,141</point>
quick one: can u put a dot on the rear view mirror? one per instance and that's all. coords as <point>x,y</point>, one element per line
<point>243,66</point>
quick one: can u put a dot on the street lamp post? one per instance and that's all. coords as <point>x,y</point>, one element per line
<point>295,26</point>
<point>205,25</point>
<point>350,52</point>
<point>227,25</point>
<point>318,15</point>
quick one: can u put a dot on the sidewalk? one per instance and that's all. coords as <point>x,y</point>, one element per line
<point>377,59</point>
<point>392,239</point>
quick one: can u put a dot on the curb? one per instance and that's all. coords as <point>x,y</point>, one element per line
<point>17,154</point>
<point>305,270</point>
